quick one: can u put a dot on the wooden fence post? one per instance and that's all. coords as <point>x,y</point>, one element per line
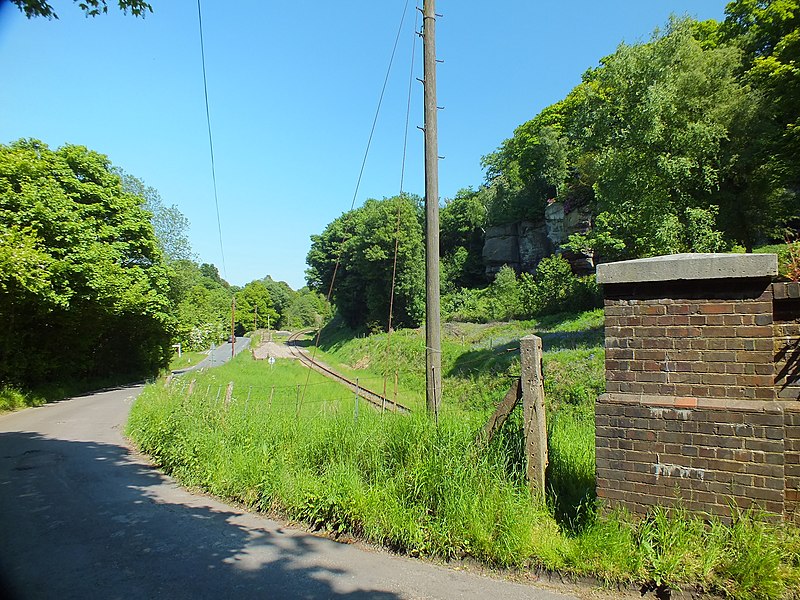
<point>533,409</point>
<point>228,394</point>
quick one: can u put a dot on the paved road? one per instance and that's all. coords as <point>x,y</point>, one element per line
<point>218,355</point>
<point>83,516</point>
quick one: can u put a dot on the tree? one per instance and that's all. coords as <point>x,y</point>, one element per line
<point>307,309</point>
<point>84,285</point>
<point>170,224</point>
<point>461,238</point>
<point>92,8</point>
<point>201,302</point>
<point>254,307</point>
<point>282,297</point>
<point>362,241</point>
<point>657,125</point>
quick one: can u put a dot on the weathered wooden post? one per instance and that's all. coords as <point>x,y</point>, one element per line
<point>228,394</point>
<point>533,411</point>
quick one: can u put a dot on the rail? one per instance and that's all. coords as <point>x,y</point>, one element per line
<point>377,400</point>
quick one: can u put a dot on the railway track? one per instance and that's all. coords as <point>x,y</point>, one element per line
<point>376,400</point>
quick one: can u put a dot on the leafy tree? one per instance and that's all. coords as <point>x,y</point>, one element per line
<point>768,33</point>
<point>656,126</point>
<point>504,294</point>
<point>84,286</point>
<point>254,307</point>
<point>307,309</point>
<point>170,224</point>
<point>282,298</point>
<point>363,243</point>
<point>461,238</point>
<point>92,8</point>
<point>554,288</point>
<point>201,302</point>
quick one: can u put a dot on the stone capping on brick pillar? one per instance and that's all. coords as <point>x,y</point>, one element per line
<point>683,267</point>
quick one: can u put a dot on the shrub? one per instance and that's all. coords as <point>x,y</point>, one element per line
<point>554,288</point>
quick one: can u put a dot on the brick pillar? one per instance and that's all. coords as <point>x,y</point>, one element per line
<point>690,412</point>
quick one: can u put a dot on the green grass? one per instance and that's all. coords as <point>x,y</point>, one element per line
<point>186,359</point>
<point>12,398</point>
<point>405,483</point>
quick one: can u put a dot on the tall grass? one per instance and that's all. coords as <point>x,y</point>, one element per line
<point>403,482</point>
<point>12,398</point>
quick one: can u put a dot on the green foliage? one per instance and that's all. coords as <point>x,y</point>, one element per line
<point>362,243</point>
<point>688,142</point>
<point>92,8</point>
<point>201,301</point>
<point>307,309</point>
<point>169,223</point>
<point>504,295</point>
<point>84,286</point>
<point>254,307</point>
<point>461,240</point>
<point>554,288</point>
<point>12,398</point>
<point>282,298</point>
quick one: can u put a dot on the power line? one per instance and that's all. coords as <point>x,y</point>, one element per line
<point>210,140</point>
<point>361,172</point>
<point>380,102</point>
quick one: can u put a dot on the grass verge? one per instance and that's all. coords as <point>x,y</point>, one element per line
<point>405,483</point>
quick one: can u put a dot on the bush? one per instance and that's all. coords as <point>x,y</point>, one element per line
<point>12,398</point>
<point>554,288</point>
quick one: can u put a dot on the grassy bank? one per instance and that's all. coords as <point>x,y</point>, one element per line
<point>12,398</point>
<point>303,451</point>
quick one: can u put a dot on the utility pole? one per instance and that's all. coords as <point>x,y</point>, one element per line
<point>433,344</point>
<point>233,322</point>
<point>255,319</point>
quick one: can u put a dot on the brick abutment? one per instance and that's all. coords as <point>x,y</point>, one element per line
<point>702,385</point>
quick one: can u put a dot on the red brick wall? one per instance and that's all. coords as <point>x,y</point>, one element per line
<point>787,339</point>
<point>678,340</point>
<point>702,382</point>
<point>703,453</point>
<point>792,458</point>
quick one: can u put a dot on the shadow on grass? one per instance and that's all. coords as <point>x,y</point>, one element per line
<point>499,358</point>
<point>87,520</point>
<point>485,360</point>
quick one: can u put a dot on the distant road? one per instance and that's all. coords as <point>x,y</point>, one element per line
<point>218,355</point>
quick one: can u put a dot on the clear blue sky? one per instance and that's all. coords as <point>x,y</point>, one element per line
<point>293,88</point>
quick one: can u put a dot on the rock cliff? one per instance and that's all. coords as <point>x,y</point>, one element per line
<point>523,244</point>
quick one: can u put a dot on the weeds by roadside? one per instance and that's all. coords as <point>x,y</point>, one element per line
<point>402,482</point>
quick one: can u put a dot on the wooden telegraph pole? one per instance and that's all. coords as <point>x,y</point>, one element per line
<point>233,324</point>
<point>433,352</point>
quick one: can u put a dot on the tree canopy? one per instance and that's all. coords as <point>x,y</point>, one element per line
<point>362,243</point>
<point>91,8</point>
<point>687,142</point>
<point>84,285</point>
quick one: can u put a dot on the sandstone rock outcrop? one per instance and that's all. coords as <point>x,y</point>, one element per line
<point>523,244</point>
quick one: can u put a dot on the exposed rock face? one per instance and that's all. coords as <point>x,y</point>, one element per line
<point>522,245</point>
<point>554,220</point>
<point>534,244</point>
<point>501,247</point>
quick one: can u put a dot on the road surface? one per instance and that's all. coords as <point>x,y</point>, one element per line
<point>218,355</point>
<point>84,516</point>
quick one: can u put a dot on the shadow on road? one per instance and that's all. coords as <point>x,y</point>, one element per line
<point>120,529</point>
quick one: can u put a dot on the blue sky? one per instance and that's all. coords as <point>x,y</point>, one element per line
<point>293,88</point>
